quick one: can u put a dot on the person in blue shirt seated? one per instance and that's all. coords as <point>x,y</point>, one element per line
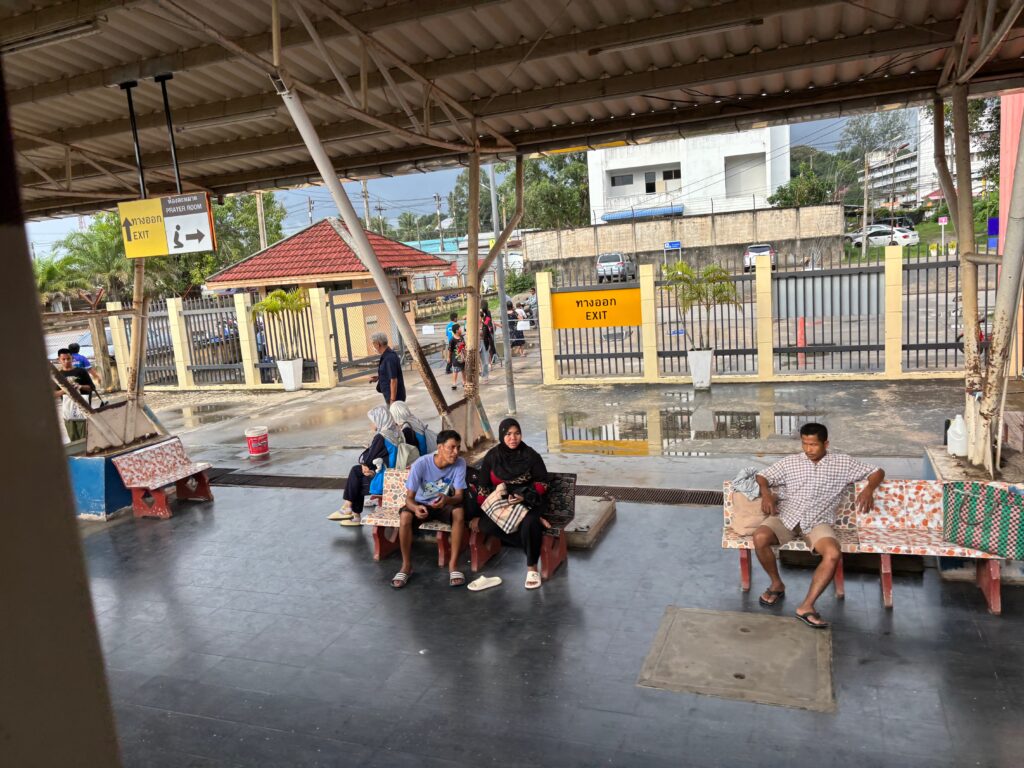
<point>434,491</point>
<point>377,457</point>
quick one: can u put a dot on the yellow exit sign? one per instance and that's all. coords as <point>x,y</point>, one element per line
<point>596,309</point>
<point>167,226</point>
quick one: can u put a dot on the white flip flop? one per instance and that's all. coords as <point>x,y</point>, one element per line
<point>483,582</point>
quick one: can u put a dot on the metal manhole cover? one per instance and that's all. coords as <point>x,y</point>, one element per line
<point>744,656</point>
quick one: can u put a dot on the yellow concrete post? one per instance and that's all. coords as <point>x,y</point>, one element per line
<point>247,339</point>
<point>649,323</point>
<point>549,373</point>
<point>326,376</point>
<point>763,315</point>
<point>554,421</point>
<point>179,344</point>
<point>654,438</point>
<point>893,311</point>
<point>120,338</point>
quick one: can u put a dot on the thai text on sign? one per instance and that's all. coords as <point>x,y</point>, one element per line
<point>596,309</point>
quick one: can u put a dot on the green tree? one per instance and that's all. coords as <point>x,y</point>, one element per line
<point>984,117</point>
<point>55,279</point>
<point>879,131</point>
<point>805,189</point>
<point>556,191</point>
<point>95,257</point>
<point>408,226</point>
<point>704,288</point>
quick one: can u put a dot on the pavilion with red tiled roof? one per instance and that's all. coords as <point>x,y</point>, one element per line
<point>319,256</point>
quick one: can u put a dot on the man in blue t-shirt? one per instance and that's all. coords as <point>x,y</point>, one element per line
<point>434,491</point>
<point>453,320</point>
<point>389,379</point>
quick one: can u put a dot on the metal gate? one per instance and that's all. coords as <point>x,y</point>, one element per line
<point>353,321</point>
<point>211,331</point>
<point>158,367</point>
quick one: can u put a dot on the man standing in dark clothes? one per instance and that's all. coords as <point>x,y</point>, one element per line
<point>74,419</point>
<point>389,379</point>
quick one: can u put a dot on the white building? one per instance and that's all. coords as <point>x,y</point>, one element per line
<point>704,174</point>
<point>910,177</point>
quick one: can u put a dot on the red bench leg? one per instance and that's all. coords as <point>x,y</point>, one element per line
<point>839,581</point>
<point>885,568</point>
<point>481,549</point>
<point>194,488</point>
<point>990,583</point>
<point>745,570</point>
<point>444,548</point>
<point>382,547</point>
<point>158,508</point>
<point>553,552</point>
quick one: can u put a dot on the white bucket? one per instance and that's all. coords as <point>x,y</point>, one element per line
<point>700,367</point>
<point>258,441</point>
<point>956,437</point>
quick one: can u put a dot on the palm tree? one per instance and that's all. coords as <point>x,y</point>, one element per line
<point>407,226</point>
<point>704,288</point>
<point>96,257</point>
<point>55,281</point>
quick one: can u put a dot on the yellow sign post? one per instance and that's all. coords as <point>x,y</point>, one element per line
<point>164,226</point>
<point>596,309</point>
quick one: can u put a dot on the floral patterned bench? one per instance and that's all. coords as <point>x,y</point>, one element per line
<point>906,520</point>
<point>147,471</point>
<point>385,520</point>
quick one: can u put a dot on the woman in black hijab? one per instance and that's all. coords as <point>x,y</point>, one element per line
<point>522,470</point>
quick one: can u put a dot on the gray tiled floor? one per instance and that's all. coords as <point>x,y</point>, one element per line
<point>254,632</point>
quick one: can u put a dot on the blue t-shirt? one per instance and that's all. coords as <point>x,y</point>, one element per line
<point>81,361</point>
<point>448,331</point>
<point>429,482</point>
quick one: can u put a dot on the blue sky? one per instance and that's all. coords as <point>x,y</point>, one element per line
<point>414,192</point>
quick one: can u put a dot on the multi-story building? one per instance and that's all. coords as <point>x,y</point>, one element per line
<point>704,174</point>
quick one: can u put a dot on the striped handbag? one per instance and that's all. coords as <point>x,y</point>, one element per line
<point>985,516</point>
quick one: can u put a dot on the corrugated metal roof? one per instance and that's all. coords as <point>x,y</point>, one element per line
<point>527,67</point>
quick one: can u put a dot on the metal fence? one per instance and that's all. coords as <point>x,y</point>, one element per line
<point>158,367</point>
<point>285,337</point>
<point>211,331</point>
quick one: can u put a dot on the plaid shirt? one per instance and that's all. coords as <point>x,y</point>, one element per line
<point>809,492</point>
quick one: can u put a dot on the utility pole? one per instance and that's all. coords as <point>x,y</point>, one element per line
<point>309,203</point>
<point>864,231</point>
<point>510,389</point>
<point>262,221</point>
<point>380,217</point>
<point>366,204</point>
<point>440,232</point>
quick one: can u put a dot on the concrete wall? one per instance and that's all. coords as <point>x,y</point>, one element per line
<point>732,230</point>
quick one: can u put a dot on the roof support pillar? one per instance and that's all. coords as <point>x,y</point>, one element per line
<point>471,374</point>
<point>360,243</point>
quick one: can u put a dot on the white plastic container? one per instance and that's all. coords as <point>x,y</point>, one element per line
<point>700,367</point>
<point>956,437</point>
<point>257,439</point>
<point>291,374</point>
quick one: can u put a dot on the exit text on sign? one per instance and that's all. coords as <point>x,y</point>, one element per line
<point>596,309</point>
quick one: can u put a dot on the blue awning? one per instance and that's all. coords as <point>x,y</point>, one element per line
<point>643,213</point>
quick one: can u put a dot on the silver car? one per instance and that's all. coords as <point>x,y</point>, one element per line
<point>615,266</point>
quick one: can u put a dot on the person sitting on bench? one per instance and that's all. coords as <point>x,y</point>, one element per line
<point>379,455</point>
<point>526,479</point>
<point>810,486</point>
<point>434,491</point>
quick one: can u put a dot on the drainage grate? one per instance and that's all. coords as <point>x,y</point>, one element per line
<point>226,476</point>
<point>654,495</point>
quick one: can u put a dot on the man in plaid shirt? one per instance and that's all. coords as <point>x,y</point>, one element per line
<point>800,494</point>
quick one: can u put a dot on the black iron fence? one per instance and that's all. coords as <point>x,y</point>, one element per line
<point>158,367</point>
<point>285,337</point>
<point>211,332</point>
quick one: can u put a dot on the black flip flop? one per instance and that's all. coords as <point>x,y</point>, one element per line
<point>778,597</point>
<point>806,619</point>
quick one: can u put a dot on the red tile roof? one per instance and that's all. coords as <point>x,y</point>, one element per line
<point>319,250</point>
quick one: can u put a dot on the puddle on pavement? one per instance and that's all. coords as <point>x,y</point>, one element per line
<point>677,428</point>
<point>197,415</point>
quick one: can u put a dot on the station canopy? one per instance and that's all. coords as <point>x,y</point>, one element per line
<point>412,85</point>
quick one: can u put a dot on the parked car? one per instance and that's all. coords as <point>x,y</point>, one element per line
<point>887,236</point>
<point>872,229</point>
<point>615,266</point>
<point>903,222</point>
<point>750,255</point>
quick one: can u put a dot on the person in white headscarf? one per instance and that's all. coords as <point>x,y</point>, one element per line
<point>378,456</point>
<point>408,422</point>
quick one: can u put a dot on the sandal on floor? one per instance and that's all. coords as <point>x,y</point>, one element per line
<point>341,514</point>
<point>806,619</point>
<point>533,580</point>
<point>456,579</point>
<point>777,594</point>
<point>400,579</point>
<point>352,521</point>
<point>482,583</point>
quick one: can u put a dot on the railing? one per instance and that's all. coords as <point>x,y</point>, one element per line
<point>211,332</point>
<point>158,367</point>
<point>281,337</point>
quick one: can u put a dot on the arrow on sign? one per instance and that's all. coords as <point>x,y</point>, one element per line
<point>197,236</point>
<point>127,230</point>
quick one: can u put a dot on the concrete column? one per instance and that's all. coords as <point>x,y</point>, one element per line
<point>322,347</point>
<point>554,430</point>
<point>649,322</point>
<point>247,339</point>
<point>119,336</point>
<point>654,432</point>
<point>893,311</point>
<point>549,373</point>
<point>179,344</point>
<point>763,315</point>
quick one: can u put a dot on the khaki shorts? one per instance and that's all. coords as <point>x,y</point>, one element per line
<point>784,535</point>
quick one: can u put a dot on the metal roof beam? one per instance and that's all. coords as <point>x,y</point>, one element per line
<point>24,25</point>
<point>688,75</point>
<point>205,55</point>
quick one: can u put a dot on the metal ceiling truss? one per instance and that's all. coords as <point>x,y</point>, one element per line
<point>977,34</point>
